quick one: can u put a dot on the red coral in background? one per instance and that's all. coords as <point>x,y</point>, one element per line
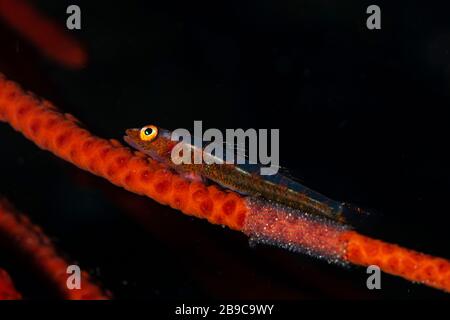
<point>7,290</point>
<point>49,37</point>
<point>29,241</point>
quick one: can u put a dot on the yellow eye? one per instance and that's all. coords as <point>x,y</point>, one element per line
<point>149,133</point>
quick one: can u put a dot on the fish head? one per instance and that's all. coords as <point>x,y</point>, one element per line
<point>151,140</point>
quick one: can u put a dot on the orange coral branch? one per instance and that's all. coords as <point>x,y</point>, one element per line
<point>393,259</point>
<point>60,133</point>
<point>39,121</point>
<point>49,37</point>
<point>7,289</point>
<point>32,243</point>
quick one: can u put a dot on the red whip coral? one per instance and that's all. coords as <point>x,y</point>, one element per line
<point>7,290</point>
<point>29,240</point>
<point>61,134</point>
<point>50,38</point>
<point>393,259</point>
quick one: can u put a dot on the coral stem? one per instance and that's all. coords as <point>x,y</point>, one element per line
<point>7,289</point>
<point>50,38</point>
<point>393,259</point>
<point>60,133</point>
<point>29,240</point>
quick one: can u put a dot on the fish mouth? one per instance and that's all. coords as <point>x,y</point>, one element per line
<point>130,132</point>
<point>128,140</point>
<point>129,137</point>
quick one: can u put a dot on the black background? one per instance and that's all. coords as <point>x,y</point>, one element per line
<point>363,118</point>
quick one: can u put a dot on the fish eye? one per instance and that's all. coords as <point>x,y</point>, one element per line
<point>149,133</point>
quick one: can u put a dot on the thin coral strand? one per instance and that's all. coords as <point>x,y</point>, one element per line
<point>30,241</point>
<point>61,134</point>
<point>393,259</point>
<point>7,289</point>
<point>50,38</point>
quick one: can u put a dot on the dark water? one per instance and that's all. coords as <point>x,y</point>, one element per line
<point>363,118</point>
